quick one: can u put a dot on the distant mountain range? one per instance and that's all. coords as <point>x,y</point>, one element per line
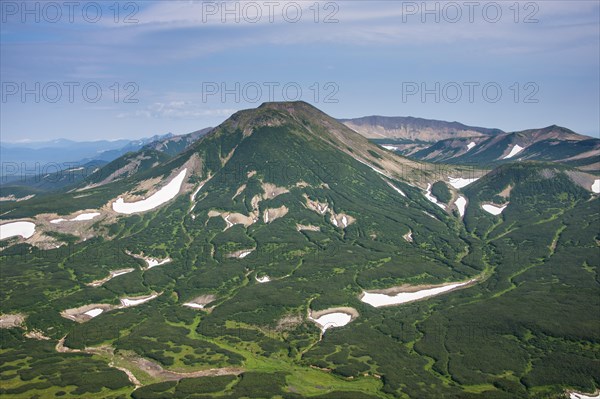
<point>455,143</point>
<point>32,168</point>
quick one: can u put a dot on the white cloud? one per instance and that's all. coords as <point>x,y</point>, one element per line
<point>176,110</point>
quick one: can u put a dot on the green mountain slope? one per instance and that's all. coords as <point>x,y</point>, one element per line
<point>284,213</point>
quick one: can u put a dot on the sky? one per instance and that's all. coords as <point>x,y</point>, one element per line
<point>126,69</point>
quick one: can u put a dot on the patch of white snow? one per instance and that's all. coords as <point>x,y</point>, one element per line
<point>23,229</point>
<point>163,195</point>
<point>514,151</point>
<point>459,182</point>
<point>493,209</point>
<point>461,204</point>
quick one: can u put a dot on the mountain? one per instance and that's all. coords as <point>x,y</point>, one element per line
<point>414,129</point>
<point>19,182</point>
<point>552,143</point>
<point>44,156</point>
<point>173,145</point>
<point>254,263</point>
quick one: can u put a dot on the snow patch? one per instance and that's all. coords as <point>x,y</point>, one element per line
<point>461,204</point>
<point>193,305</point>
<point>94,312</point>
<point>156,262</point>
<point>514,151</point>
<point>330,320</point>
<point>264,279</point>
<point>596,186</point>
<point>23,229</point>
<point>390,147</point>
<point>78,218</point>
<point>397,189</point>
<point>459,182</point>
<point>85,216</point>
<point>577,395</point>
<point>378,300</point>
<point>493,209</point>
<point>432,198</point>
<point>134,301</point>
<point>163,195</point>
<point>471,145</point>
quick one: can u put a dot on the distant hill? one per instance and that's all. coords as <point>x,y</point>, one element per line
<point>415,129</point>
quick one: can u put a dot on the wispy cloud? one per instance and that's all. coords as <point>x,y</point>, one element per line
<point>176,110</point>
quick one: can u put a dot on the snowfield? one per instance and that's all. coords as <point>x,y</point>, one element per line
<point>461,204</point>
<point>23,229</point>
<point>162,196</point>
<point>459,182</point>
<point>577,395</point>
<point>514,151</point>
<point>378,300</point>
<point>471,145</point>
<point>493,209</point>
<point>389,147</point>
<point>336,319</point>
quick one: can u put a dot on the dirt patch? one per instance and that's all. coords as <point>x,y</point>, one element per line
<point>288,323</point>
<point>414,288</point>
<point>156,371</point>
<point>271,190</point>
<point>582,179</point>
<point>113,274</point>
<point>319,207</point>
<point>506,192</point>
<point>308,227</point>
<point>36,334</point>
<point>242,253</point>
<point>272,214</point>
<point>341,220</point>
<point>79,314</point>
<point>239,191</point>
<point>342,309</point>
<point>11,320</point>
<point>203,299</point>
<point>231,219</point>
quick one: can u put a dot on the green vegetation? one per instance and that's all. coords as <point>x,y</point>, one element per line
<point>441,191</point>
<point>528,328</point>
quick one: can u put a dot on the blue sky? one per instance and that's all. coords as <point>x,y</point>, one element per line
<point>179,66</point>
